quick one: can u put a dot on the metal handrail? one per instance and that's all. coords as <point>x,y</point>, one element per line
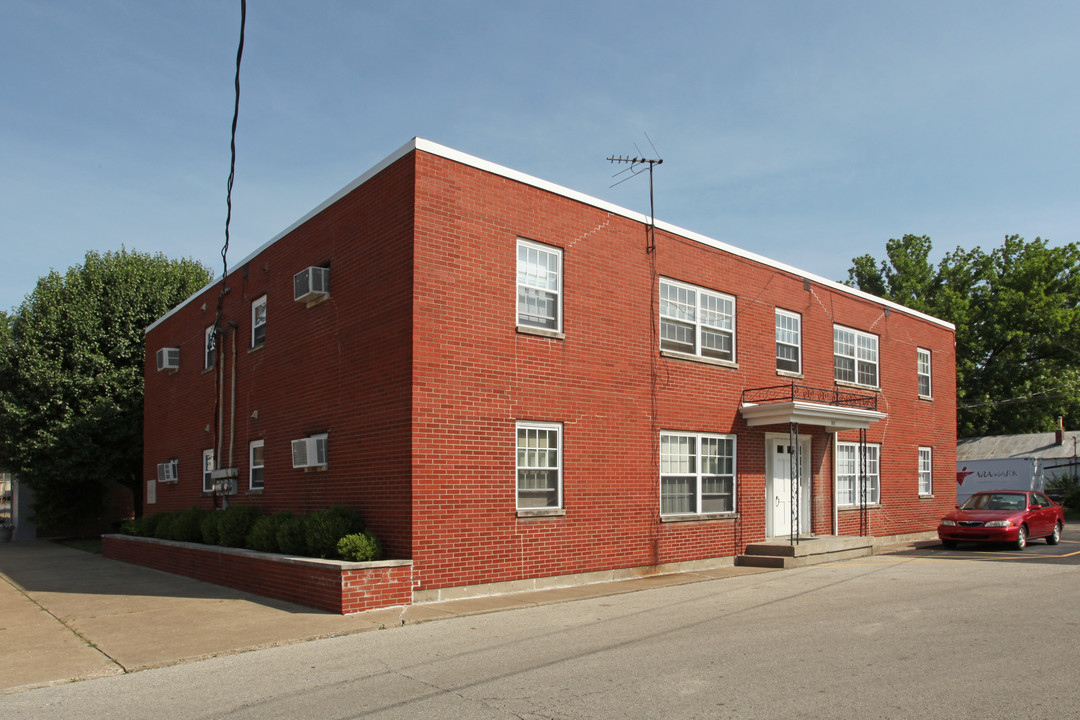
<point>793,392</point>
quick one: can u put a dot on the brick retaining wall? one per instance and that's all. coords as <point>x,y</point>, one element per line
<point>331,585</point>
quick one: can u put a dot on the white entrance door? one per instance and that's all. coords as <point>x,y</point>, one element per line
<point>778,486</point>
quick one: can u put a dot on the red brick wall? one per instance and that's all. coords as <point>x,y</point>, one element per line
<point>613,392</point>
<point>325,585</point>
<point>341,367</point>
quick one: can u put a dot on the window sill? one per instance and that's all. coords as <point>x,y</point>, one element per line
<point>869,506</point>
<point>845,383</point>
<point>541,512</point>
<point>675,355</point>
<point>255,348</point>
<point>926,497</point>
<point>253,491</point>
<point>928,398</point>
<point>696,517</point>
<point>789,374</point>
<point>541,332</point>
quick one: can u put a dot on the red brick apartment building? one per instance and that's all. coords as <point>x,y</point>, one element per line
<point>508,384</point>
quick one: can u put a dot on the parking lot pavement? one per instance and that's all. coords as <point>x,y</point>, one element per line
<point>1066,552</point>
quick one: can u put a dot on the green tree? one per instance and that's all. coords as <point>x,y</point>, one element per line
<point>71,378</point>
<point>1017,317</point>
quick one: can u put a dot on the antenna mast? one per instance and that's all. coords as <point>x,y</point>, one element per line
<point>635,164</point>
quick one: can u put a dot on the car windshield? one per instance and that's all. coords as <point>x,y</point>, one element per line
<point>995,501</point>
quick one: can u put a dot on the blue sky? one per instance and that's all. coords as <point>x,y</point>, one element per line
<point>810,132</point>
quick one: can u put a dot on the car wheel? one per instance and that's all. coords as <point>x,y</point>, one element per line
<point>1021,538</point>
<point>1055,537</point>
<point>948,544</point>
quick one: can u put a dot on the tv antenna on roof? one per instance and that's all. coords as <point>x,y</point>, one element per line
<point>636,168</point>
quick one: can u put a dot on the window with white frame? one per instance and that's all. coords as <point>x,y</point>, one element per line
<point>207,471</point>
<point>539,285</point>
<point>697,474</point>
<point>788,341</point>
<point>849,486</point>
<point>926,476</point>
<point>696,321</point>
<point>923,370</point>
<point>855,356</point>
<point>209,347</point>
<point>258,322</point>
<point>539,466</point>
<point>255,465</point>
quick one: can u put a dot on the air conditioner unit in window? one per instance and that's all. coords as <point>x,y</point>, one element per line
<point>311,285</point>
<point>309,452</point>
<point>168,359</point>
<point>168,471</point>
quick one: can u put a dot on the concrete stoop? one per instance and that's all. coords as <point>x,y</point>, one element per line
<point>782,553</point>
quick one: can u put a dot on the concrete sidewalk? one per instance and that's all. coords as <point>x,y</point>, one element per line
<point>69,615</point>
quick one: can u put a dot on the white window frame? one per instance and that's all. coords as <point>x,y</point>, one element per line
<point>258,322</point>
<point>207,471</point>
<point>926,471</point>
<point>689,314</point>
<point>922,370</point>
<point>537,459</point>
<point>789,335</point>
<point>679,466</point>
<point>846,474</point>
<point>209,348</point>
<point>539,286</point>
<point>861,349</point>
<point>252,466</point>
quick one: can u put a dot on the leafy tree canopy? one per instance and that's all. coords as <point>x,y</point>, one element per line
<point>71,378</point>
<point>1017,316</point>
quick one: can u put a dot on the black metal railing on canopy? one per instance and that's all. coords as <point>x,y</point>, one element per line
<point>805,393</point>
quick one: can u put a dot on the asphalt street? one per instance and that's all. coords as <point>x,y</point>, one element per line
<point>973,633</point>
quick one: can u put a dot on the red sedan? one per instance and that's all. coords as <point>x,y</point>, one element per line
<point>1003,516</point>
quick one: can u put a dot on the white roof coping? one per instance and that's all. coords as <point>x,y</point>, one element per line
<point>433,148</point>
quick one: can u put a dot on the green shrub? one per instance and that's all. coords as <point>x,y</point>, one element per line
<point>292,536</point>
<point>235,524</point>
<point>129,527</point>
<point>359,547</point>
<point>1067,487</point>
<point>209,527</point>
<point>326,527</point>
<point>186,525</point>
<point>163,527</point>
<point>148,524</point>
<point>263,535</point>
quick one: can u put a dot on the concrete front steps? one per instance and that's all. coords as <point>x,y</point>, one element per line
<point>812,550</point>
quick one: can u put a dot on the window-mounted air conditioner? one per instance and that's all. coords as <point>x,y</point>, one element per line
<point>309,452</point>
<point>168,359</point>
<point>168,471</point>
<point>311,285</point>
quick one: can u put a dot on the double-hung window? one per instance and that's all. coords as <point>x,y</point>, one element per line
<point>209,347</point>
<point>697,474</point>
<point>539,466</point>
<point>788,341</point>
<point>922,368</point>
<point>926,477</point>
<point>255,465</point>
<point>539,286</point>
<point>207,470</point>
<point>696,321</point>
<point>856,475</point>
<point>855,356</point>
<point>258,322</point>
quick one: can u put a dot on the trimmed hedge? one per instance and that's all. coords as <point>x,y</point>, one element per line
<point>336,533</point>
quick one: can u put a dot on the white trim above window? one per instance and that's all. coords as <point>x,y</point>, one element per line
<point>695,321</point>
<point>788,341</point>
<point>539,286</point>
<point>258,322</point>
<point>922,369</point>
<point>855,357</point>
<point>697,474</point>
<point>926,471</point>
<point>539,466</point>
<point>255,465</point>
<point>847,474</point>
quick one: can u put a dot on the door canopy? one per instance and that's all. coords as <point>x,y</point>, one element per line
<point>831,408</point>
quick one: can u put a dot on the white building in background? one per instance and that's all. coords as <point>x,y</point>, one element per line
<point>1000,462</point>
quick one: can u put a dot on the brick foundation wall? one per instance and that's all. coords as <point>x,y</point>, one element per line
<point>334,586</point>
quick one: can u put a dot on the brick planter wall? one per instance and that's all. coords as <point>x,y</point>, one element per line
<point>331,585</point>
